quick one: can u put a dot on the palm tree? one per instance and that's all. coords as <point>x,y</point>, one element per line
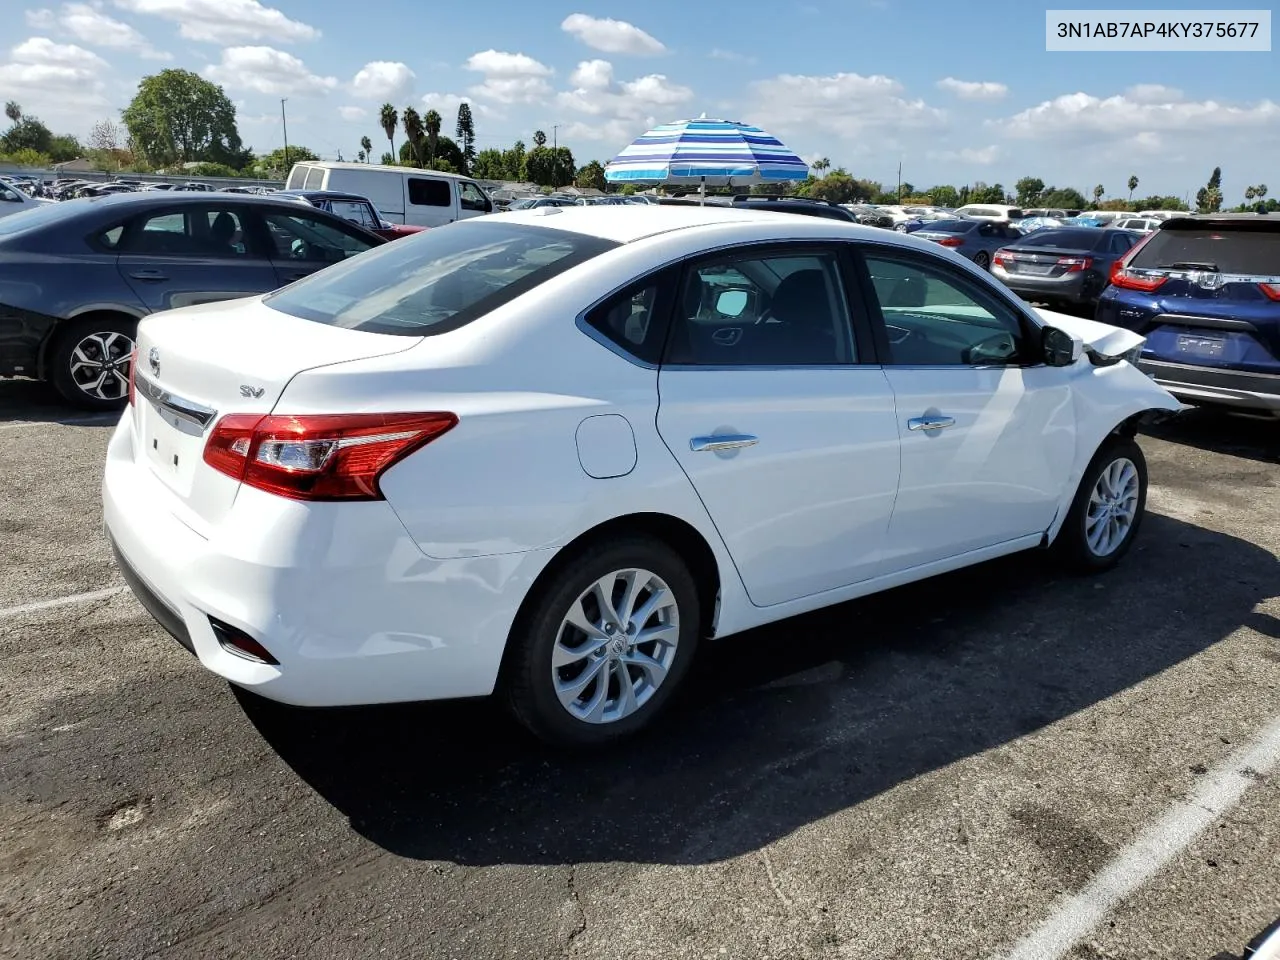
<point>1250,193</point>
<point>1260,191</point>
<point>13,111</point>
<point>361,155</point>
<point>822,165</point>
<point>1098,191</point>
<point>431,123</point>
<point>366,146</point>
<point>388,117</point>
<point>1133,184</point>
<point>413,132</point>
<point>539,138</point>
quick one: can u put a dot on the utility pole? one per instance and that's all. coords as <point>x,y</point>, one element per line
<point>284,124</point>
<point>899,181</point>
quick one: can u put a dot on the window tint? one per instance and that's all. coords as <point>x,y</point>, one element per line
<point>315,177</point>
<point>950,226</point>
<point>936,318</point>
<point>192,232</point>
<point>470,197</point>
<point>300,236</point>
<point>1067,239</point>
<point>1231,249</point>
<point>438,280</point>
<point>1119,243</point>
<point>354,211</point>
<point>762,311</point>
<point>297,177</point>
<point>429,193</point>
<point>635,319</point>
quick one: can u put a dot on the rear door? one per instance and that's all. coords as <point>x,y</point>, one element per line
<point>303,242</point>
<point>784,424</point>
<point>194,253</point>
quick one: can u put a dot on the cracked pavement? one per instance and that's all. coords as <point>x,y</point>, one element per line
<point>919,774</point>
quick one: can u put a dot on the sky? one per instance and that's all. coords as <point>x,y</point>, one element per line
<point>956,91</point>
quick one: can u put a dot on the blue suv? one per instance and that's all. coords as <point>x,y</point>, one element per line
<point>1205,292</point>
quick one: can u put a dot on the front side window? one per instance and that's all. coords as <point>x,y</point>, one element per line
<point>934,317</point>
<point>298,236</point>
<point>783,310</point>
<point>438,280</point>
<point>355,212</point>
<point>471,197</point>
<point>424,192</point>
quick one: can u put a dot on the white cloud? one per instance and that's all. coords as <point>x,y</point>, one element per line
<point>267,70</point>
<point>730,55</point>
<point>979,156</point>
<point>974,89</point>
<point>612,36</point>
<point>509,77</point>
<point>383,80</point>
<point>446,104</point>
<point>1082,117</point>
<point>88,24</point>
<point>1153,93</point>
<point>60,83</point>
<point>225,21</point>
<point>621,111</point>
<point>352,113</point>
<point>845,106</point>
<point>593,74</point>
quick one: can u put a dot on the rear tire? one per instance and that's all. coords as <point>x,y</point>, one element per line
<point>1108,508</point>
<point>571,654</point>
<point>982,259</point>
<point>89,362</point>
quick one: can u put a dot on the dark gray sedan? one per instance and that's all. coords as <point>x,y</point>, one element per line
<point>977,240</point>
<point>1062,266</point>
<point>76,277</point>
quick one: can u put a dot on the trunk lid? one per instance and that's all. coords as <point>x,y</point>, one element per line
<point>198,364</point>
<point>1041,261</point>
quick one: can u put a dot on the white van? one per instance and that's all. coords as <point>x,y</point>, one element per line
<point>989,211</point>
<point>422,198</point>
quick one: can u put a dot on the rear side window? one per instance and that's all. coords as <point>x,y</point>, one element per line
<point>297,178</point>
<point>438,280</point>
<point>1226,249</point>
<point>635,319</point>
<point>315,178</point>
<point>429,193</point>
<point>1071,239</point>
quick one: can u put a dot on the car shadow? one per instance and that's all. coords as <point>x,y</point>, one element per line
<point>1221,432</point>
<point>32,401</point>
<point>785,725</point>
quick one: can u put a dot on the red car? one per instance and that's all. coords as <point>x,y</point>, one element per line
<point>350,206</point>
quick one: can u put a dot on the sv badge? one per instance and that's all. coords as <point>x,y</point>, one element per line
<point>249,392</point>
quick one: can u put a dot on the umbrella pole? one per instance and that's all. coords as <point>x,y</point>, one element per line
<point>702,193</point>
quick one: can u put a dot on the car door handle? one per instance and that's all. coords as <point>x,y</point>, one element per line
<point>148,275</point>
<point>728,441</point>
<point>930,423</point>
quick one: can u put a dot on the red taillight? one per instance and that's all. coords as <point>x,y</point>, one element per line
<point>1270,290</point>
<point>319,457</point>
<point>1075,264</point>
<point>1125,279</point>
<point>1002,258</point>
<point>952,242</point>
<point>133,366</point>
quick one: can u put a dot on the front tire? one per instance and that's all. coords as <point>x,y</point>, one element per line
<point>89,363</point>
<point>1108,508</point>
<point>605,643</point>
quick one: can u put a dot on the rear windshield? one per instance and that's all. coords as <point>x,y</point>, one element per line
<point>437,280</point>
<point>1225,249</point>
<point>37,216</point>
<point>1073,239</point>
<point>950,226</point>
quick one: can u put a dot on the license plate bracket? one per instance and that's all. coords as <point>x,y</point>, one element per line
<point>1201,345</point>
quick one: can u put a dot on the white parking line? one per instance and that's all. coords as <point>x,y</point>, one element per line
<point>60,602</point>
<point>1074,917</point>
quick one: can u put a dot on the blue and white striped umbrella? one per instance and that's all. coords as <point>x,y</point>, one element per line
<point>702,151</point>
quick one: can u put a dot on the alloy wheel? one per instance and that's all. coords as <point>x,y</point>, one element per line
<point>615,646</point>
<point>99,365</point>
<point>1113,507</point>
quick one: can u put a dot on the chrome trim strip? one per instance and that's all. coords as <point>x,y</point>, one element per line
<point>177,406</point>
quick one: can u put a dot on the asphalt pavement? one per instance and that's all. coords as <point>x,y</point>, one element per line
<point>1001,759</point>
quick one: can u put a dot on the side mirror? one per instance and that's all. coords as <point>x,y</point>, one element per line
<point>731,303</point>
<point>1059,348</point>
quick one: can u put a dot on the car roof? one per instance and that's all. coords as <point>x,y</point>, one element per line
<point>168,198</point>
<point>403,171</point>
<point>322,194</point>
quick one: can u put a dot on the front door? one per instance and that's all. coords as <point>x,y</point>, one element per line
<point>193,253</point>
<point>304,242</point>
<point>785,431</point>
<point>988,433</point>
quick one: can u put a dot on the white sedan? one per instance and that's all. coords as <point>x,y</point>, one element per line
<point>548,453</point>
<point>14,200</point>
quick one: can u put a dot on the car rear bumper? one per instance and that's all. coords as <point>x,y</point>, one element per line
<point>1071,287</point>
<point>338,594</point>
<point>1233,388</point>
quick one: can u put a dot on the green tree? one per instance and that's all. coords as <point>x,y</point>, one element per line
<point>177,116</point>
<point>1133,184</point>
<point>465,129</point>
<point>1209,197</point>
<point>1098,191</point>
<point>1027,191</point>
<point>838,186</point>
<point>13,111</point>
<point>1260,190</point>
<point>591,176</point>
<point>1063,198</point>
<point>388,119</point>
<point>413,133</point>
<point>944,195</point>
<point>539,138</point>
<point>549,167</point>
<point>27,133</point>
<point>207,169</point>
<point>387,159</point>
<point>1215,179</point>
<point>272,165</point>
<point>984,193</point>
<point>366,147</point>
<point>513,162</point>
<point>628,189</point>
<point>488,165</point>
<point>27,158</point>
<point>822,164</point>
<point>64,147</point>
<point>431,124</point>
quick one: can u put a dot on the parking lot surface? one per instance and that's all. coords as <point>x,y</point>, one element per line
<point>947,770</point>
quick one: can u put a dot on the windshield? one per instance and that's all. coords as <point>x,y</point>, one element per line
<point>1254,252</point>
<point>38,215</point>
<point>437,280</point>
<point>1073,239</point>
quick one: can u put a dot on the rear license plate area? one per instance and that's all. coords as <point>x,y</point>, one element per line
<point>1200,346</point>
<point>1035,269</point>
<point>171,443</point>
